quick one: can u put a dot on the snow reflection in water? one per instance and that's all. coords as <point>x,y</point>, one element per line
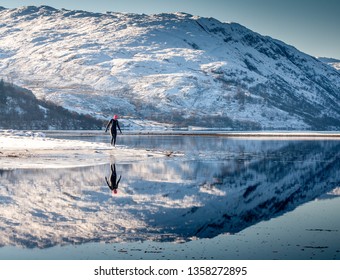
<point>220,186</point>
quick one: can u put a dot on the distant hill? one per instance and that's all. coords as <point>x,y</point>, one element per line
<point>20,109</point>
<point>331,61</point>
<point>171,68</point>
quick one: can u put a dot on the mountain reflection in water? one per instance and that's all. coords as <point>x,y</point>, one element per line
<point>219,186</point>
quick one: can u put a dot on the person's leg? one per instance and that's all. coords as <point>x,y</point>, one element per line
<point>115,138</point>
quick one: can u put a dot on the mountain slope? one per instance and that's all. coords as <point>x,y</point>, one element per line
<point>173,68</point>
<point>20,109</point>
<point>331,61</point>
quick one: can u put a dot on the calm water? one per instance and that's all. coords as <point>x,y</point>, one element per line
<point>221,198</point>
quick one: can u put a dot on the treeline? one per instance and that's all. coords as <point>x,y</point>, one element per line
<point>20,109</point>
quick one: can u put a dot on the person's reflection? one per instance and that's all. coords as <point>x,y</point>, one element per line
<point>113,183</point>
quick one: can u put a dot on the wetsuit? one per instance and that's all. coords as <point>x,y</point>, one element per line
<point>113,184</point>
<point>114,124</point>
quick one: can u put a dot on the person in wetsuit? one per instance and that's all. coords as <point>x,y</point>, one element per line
<point>113,184</point>
<point>114,124</point>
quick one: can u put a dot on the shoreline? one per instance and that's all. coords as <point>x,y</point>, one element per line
<point>42,149</point>
<point>35,150</point>
<point>217,133</point>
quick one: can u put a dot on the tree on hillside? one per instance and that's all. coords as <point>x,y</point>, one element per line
<point>3,97</point>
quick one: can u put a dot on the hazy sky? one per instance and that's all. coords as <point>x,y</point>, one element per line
<point>312,26</point>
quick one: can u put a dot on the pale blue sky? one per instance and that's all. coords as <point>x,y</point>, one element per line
<point>313,26</point>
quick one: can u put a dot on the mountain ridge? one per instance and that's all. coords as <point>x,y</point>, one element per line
<point>171,68</point>
<point>334,62</point>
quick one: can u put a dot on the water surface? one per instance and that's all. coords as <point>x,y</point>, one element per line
<point>223,199</point>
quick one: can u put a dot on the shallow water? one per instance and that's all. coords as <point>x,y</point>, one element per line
<point>223,199</point>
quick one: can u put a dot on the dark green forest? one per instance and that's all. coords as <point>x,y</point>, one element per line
<point>20,109</point>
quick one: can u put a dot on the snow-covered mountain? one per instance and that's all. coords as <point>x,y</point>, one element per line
<point>331,61</point>
<point>172,68</point>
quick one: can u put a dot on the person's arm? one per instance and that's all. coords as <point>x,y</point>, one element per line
<point>120,176</point>
<point>119,127</point>
<point>108,125</point>
<point>107,182</point>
